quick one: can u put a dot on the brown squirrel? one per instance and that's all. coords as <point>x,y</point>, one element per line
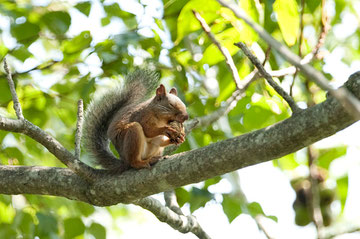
<point>138,128</point>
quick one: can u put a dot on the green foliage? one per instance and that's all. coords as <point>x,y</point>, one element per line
<point>288,19</point>
<point>231,206</point>
<point>73,63</point>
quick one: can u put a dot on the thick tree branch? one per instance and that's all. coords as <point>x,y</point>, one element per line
<point>349,101</point>
<point>290,135</point>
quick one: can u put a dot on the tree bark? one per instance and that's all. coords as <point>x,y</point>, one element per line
<point>290,135</point>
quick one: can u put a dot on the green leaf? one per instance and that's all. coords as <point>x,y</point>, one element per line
<point>198,198</point>
<point>21,53</point>
<point>25,224</point>
<point>7,213</point>
<point>212,181</point>
<point>187,22</point>
<point>288,19</point>
<point>231,206</point>
<point>255,209</point>
<point>326,156</point>
<point>78,43</point>
<point>73,227</point>
<point>182,196</point>
<point>14,153</point>
<point>312,4</point>
<point>47,225</point>
<point>287,162</point>
<point>250,8</point>
<point>84,7</point>
<point>58,21</point>
<point>85,209</point>
<point>5,95</point>
<point>97,230</point>
<point>342,189</point>
<point>25,32</point>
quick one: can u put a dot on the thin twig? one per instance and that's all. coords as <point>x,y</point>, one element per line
<point>346,98</point>
<point>171,202</point>
<point>79,126</point>
<point>17,106</point>
<point>268,77</point>
<point>325,27</point>
<point>224,51</point>
<point>183,224</point>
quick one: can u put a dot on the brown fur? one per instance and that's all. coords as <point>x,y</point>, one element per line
<point>140,132</point>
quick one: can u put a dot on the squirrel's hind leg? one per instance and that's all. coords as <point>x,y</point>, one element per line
<point>134,146</point>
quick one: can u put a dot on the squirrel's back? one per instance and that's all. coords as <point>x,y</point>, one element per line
<point>137,87</point>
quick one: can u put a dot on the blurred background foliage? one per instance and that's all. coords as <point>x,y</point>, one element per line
<point>62,51</point>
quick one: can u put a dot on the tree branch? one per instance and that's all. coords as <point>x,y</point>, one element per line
<point>17,106</point>
<point>181,223</point>
<point>79,125</point>
<point>290,135</point>
<point>49,142</point>
<point>224,51</point>
<point>268,77</point>
<point>349,101</point>
<point>171,202</point>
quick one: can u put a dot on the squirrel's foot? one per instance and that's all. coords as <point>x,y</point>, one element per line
<point>154,160</point>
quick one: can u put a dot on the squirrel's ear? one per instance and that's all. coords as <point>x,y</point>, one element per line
<point>161,91</point>
<point>173,91</point>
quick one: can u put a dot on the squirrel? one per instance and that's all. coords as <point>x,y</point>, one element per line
<point>138,126</point>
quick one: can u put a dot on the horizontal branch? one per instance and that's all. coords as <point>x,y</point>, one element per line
<point>290,135</point>
<point>55,147</point>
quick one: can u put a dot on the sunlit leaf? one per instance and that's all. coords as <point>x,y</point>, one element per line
<point>342,190</point>
<point>326,156</point>
<point>231,206</point>
<point>288,19</point>
<point>187,22</point>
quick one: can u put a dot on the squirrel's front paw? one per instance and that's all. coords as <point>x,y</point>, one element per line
<point>177,135</point>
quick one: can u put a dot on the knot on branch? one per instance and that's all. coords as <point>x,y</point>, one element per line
<point>353,84</point>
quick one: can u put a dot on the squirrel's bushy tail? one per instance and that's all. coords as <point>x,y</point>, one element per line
<point>137,87</point>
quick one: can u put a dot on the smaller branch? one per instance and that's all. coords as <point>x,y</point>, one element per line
<point>17,106</point>
<point>224,51</point>
<point>325,27</point>
<point>268,77</point>
<point>183,224</point>
<point>79,125</point>
<point>171,202</point>
<point>230,103</point>
<point>347,100</point>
